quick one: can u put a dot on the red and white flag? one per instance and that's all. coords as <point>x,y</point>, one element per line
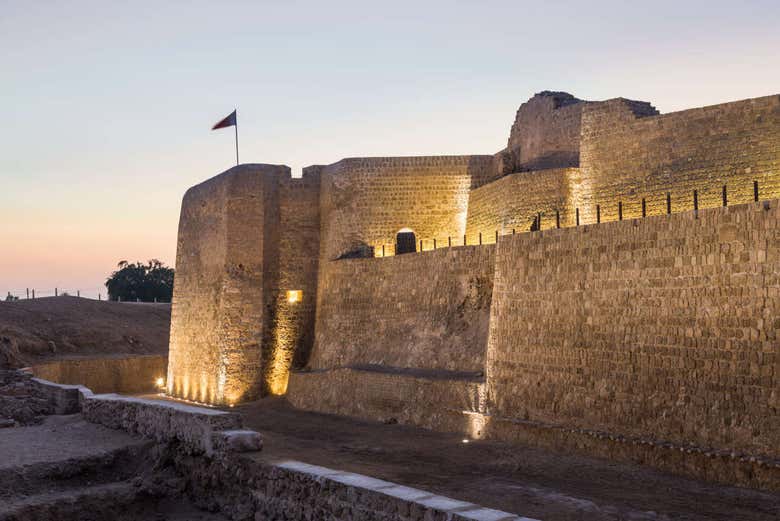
<point>229,121</point>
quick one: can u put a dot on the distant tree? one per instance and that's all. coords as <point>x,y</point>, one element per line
<point>144,282</point>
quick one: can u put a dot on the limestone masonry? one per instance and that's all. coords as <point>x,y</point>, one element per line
<point>608,283</point>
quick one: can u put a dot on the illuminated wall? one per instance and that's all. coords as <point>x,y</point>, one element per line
<point>427,311</point>
<point>546,132</point>
<point>366,201</point>
<point>292,334</point>
<point>627,154</point>
<point>514,201</point>
<point>253,234</point>
<point>661,328</point>
<point>226,273</point>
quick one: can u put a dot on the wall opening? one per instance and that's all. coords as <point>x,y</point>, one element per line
<point>405,241</point>
<point>294,296</point>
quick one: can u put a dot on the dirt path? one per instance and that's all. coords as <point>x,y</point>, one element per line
<point>530,482</point>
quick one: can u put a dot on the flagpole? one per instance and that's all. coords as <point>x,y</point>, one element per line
<point>237,163</point>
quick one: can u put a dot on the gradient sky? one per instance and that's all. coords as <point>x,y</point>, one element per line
<point>106,107</point>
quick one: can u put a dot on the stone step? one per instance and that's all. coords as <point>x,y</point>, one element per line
<point>27,480</point>
<point>86,503</point>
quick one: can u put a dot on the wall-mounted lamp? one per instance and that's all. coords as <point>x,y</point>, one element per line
<point>294,295</point>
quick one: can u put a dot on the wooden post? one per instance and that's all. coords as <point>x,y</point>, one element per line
<point>78,293</point>
<point>513,231</point>
<point>480,238</point>
<point>28,293</point>
<point>464,239</point>
<point>383,250</point>
<point>421,245</point>
<point>644,207</point>
<point>496,235</point>
<point>620,210</point>
<point>577,213</point>
<point>56,293</point>
<point>99,296</point>
<point>539,219</point>
<point>557,218</point>
<point>725,197</point>
<point>668,202</point>
<point>449,241</point>
<point>696,200</point>
<point>755,191</point>
<point>33,293</point>
<point>598,213</point>
<point>434,243</point>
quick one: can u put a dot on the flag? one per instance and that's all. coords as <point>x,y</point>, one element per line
<point>229,121</point>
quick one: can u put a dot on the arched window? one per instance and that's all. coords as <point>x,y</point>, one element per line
<point>405,242</point>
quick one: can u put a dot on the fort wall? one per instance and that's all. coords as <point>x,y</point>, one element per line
<point>425,311</point>
<point>627,154</point>
<point>514,201</point>
<point>365,202</point>
<point>663,327</point>
<point>226,269</point>
<point>656,334</point>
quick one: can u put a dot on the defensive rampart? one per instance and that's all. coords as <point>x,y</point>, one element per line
<point>665,326</point>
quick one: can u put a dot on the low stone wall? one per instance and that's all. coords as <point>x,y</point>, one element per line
<point>431,399</point>
<point>248,487</point>
<point>132,374</point>
<point>196,429</point>
<point>163,421</point>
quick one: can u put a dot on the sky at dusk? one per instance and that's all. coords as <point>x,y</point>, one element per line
<point>106,107</point>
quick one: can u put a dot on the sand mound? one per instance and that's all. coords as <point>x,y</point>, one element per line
<point>67,327</point>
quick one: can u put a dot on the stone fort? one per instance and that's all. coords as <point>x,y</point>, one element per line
<point>609,282</point>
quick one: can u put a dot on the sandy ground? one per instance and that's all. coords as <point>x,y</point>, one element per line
<point>526,481</point>
<point>67,327</point>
